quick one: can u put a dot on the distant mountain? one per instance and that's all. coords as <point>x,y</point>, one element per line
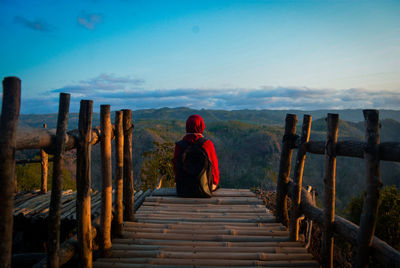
<point>248,145</point>
<point>265,117</point>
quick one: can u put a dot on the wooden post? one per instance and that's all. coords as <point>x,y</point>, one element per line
<point>128,166</point>
<point>330,185</point>
<point>53,241</point>
<point>106,174</point>
<point>298,177</point>
<point>284,169</point>
<point>44,163</point>
<point>83,184</point>
<point>119,179</point>
<point>8,130</point>
<point>373,186</point>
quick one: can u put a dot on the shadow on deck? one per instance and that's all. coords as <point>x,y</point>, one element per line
<point>233,228</point>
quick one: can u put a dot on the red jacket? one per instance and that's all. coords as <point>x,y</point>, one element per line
<point>194,131</point>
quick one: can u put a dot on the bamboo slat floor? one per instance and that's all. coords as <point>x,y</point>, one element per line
<point>231,229</point>
<point>35,205</point>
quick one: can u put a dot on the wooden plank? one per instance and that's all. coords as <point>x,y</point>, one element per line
<point>229,209</point>
<point>184,213</point>
<point>230,231</point>
<point>191,243</point>
<point>225,220</point>
<point>202,237</point>
<point>202,225</point>
<point>195,248</point>
<point>139,201</point>
<point>262,256</point>
<point>219,193</point>
<point>216,201</point>
<point>205,205</point>
<point>210,262</point>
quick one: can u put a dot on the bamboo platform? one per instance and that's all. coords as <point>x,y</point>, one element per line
<point>35,205</point>
<point>231,229</point>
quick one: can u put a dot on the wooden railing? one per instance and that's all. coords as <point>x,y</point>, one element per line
<point>362,238</point>
<point>57,143</point>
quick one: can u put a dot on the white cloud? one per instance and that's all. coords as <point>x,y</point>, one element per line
<point>127,92</point>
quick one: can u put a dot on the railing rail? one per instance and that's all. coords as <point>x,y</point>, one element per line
<point>372,151</point>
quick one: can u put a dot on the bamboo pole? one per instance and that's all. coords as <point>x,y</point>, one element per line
<point>8,129</point>
<point>199,248</point>
<point>298,177</point>
<point>373,186</point>
<point>119,176</point>
<point>83,181</point>
<point>53,243</point>
<point>44,164</point>
<point>128,166</point>
<point>330,192</point>
<point>106,194</point>
<point>284,169</point>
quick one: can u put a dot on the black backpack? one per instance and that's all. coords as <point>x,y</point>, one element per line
<point>194,170</point>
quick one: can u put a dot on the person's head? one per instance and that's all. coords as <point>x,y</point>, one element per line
<point>195,124</point>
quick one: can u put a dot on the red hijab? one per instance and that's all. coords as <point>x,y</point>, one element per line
<point>194,128</point>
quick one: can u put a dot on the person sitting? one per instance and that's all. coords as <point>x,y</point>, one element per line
<point>195,162</point>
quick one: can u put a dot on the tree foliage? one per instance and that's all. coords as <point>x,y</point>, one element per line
<point>158,162</point>
<point>29,175</point>
<point>388,223</point>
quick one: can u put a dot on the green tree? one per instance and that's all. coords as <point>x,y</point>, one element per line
<point>158,162</point>
<point>388,223</point>
<point>28,177</point>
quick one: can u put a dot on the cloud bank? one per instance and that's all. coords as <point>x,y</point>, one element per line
<point>128,92</point>
<point>36,25</point>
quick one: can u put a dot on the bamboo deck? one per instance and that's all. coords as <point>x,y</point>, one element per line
<point>34,205</point>
<point>232,229</point>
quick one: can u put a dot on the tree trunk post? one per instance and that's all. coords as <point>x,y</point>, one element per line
<point>83,184</point>
<point>373,186</point>
<point>119,177</point>
<point>106,174</point>
<point>330,190</point>
<point>298,177</point>
<point>128,166</point>
<point>53,241</point>
<point>44,164</point>
<point>284,169</point>
<point>8,129</point>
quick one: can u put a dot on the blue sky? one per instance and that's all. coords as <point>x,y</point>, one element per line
<point>203,54</point>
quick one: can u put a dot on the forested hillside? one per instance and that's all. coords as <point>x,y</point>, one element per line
<point>248,147</point>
